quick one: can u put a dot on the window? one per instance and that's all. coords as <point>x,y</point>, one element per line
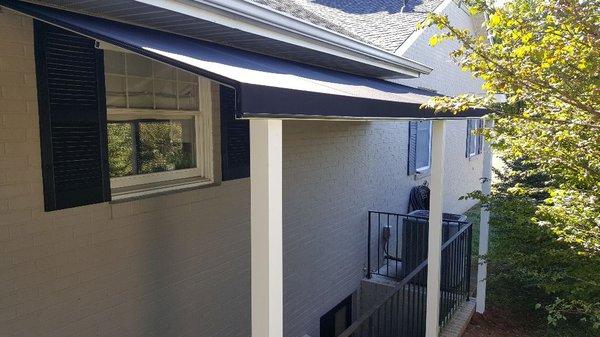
<point>474,141</point>
<point>423,146</point>
<point>159,124</point>
<point>338,319</point>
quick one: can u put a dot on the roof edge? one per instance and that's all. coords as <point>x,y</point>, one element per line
<point>265,21</point>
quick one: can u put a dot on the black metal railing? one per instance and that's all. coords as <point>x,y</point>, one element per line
<point>400,314</point>
<point>397,243</point>
<point>401,253</point>
<point>455,282</point>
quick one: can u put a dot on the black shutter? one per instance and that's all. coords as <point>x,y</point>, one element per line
<point>412,147</point>
<point>469,135</point>
<point>72,114</point>
<point>235,139</point>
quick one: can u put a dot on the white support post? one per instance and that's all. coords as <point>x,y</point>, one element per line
<point>486,186</point>
<point>436,203</point>
<point>266,259</point>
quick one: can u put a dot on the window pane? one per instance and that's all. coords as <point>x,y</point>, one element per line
<point>115,91</point>
<point>165,94</point>
<point>473,124</point>
<point>120,149</point>
<point>164,71</point>
<point>138,66</point>
<point>114,62</point>
<point>140,92</point>
<point>185,76</point>
<point>188,96</point>
<point>166,145</point>
<point>340,321</point>
<point>423,144</point>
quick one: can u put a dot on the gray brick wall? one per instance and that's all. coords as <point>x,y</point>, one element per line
<point>178,264</point>
<point>333,173</point>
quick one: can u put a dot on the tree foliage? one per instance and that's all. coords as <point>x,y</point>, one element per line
<point>544,58</point>
<point>159,146</point>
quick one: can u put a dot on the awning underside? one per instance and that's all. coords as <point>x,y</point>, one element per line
<point>266,86</point>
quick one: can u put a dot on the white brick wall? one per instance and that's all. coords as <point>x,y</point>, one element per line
<point>333,173</point>
<point>178,264</point>
<point>446,78</point>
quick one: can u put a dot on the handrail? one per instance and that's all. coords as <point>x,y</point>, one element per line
<point>363,318</point>
<point>416,217</point>
<point>453,237</point>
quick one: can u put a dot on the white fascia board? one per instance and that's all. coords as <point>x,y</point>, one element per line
<point>260,20</point>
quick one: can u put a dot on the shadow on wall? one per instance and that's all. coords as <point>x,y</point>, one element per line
<point>371,6</point>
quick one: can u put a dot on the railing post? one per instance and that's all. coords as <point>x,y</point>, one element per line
<point>369,248</point>
<point>469,252</point>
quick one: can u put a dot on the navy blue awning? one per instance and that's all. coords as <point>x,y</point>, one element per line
<point>266,86</point>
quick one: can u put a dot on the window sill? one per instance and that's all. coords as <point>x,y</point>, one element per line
<point>120,196</point>
<point>422,175</point>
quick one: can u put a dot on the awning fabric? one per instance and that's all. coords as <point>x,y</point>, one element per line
<point>265,86</point>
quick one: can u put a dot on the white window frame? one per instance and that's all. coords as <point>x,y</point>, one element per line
<point>140,184</point>
<point>428,166</point>
<point>471,136</point>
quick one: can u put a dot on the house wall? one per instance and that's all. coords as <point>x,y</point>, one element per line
<point>178,264</point>
<point>174,265</point>
<point>329,185</point>
<point>446,78</point>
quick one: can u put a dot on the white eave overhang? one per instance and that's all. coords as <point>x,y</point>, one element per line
<point>263,21</point>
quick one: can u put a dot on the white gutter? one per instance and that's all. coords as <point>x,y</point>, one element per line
<point>261,20</point>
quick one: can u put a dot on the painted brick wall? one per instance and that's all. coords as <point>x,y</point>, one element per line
<point>175,265</point>
<point>333,173</point>
<point>446,78</point>
<point>178,264</point>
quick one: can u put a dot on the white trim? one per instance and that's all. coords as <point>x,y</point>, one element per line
<point>125,187</point>
<point>264,21</point>
<point>434,251</point>
<point>156,177</point>
<point>155,190</point>
<point>471,136</point>
<point>414,36</point>
<point>266,228</point>
<point>484,226</point>
<point>428,166</point>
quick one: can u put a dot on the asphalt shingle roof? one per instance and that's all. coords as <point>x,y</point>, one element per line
<point>381,23</point>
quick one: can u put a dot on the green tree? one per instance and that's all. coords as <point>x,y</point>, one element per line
<point>120,149</point>
<point>544,57</point>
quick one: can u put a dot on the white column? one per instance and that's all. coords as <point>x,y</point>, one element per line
<point>436,203</point>
<point>486,185</point>
<point>266,228</point>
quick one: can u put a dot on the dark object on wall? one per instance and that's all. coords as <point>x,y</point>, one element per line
<point>412,148</point>
<point>72,111</point>
<point>338,319</point>
<point>235,138</point>
<point>419,198</point>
